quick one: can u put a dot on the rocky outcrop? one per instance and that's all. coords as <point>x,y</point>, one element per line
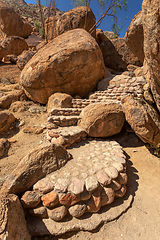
<point>42,160</point>
<point>79,17</point>
<point>134,36</point>
<point>59,100</point>
<point>24,58</point>
<point>72,63</point>
<point>117,55</point>
<point>12,24</point>
<point>6,120</point>
<point>151,28</point>
<point>102,119</point>
<point>143,119</point>
<point>12,220</point>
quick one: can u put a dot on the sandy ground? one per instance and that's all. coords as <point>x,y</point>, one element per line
<point>142,219</point>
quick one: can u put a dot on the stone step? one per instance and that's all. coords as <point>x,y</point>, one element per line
<point>65,111</point>
<point>63,121</point>
<point>66,136</point>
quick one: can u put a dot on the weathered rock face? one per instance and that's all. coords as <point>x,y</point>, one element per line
<point>59,100</point>
<point>79,17</point>
<point>72,63</point>
<point>12,220</point>
<point>134,36</point>
<point>102,119</point>
<point>12,24</point>
<point>24,58</point>
<point>6,119</point>
<point>151,28</point>
<point>143,119</point>
<point>117,55</point>
<point>42,160</point>
<point>13,45</point>
<point>100,36</point>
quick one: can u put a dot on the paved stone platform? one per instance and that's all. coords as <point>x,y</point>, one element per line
<point>94,178</point>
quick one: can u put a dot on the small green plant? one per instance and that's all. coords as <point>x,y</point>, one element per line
<point>155,149</point>
<point>41,32</point>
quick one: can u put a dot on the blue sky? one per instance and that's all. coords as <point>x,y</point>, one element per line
<point>134,6</point>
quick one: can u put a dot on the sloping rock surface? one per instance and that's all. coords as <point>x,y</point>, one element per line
<point>117,55</point>
<point>151,27</point>
<point>42,160</point>
<point>134,36</point>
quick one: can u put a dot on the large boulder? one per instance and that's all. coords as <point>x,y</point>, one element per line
<point>151,29</point>
<point>39,162</point>
<point>71,63</point>
<point>12,219</point>
<point>134,37</point>
<point>13,45</point>
<point>102,119</point>
<point>11,23</point>
<point>143,119</point>
<point>117,55</point>
<point>79,17</point>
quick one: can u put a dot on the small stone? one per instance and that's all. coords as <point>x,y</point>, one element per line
<point>103,178</point>
<point>76,186</point>
<point>121,192</point>
<point>94,203</point>
<point>91,183</point>
<point>4,144</point>
<point>85,195</point>
<point>111,172</point>
<point>62,185</point>
<point>77,210</point>
<point>68,199</point>
<point>120,160</point>
<point>44,185</point>
<point>39,212</point>
<point>107,196</point>
<point>118,166</point>
<point>31,199</point>
<point>58,213</point>
<point>122,178</point>
<point>115,185</point>
<point>50,199</point>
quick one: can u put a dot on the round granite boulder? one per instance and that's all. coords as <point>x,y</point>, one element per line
<point>102,119</point>
<point>71,63</point>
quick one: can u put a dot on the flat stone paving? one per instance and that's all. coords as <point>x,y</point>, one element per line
<point>93,181</point>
